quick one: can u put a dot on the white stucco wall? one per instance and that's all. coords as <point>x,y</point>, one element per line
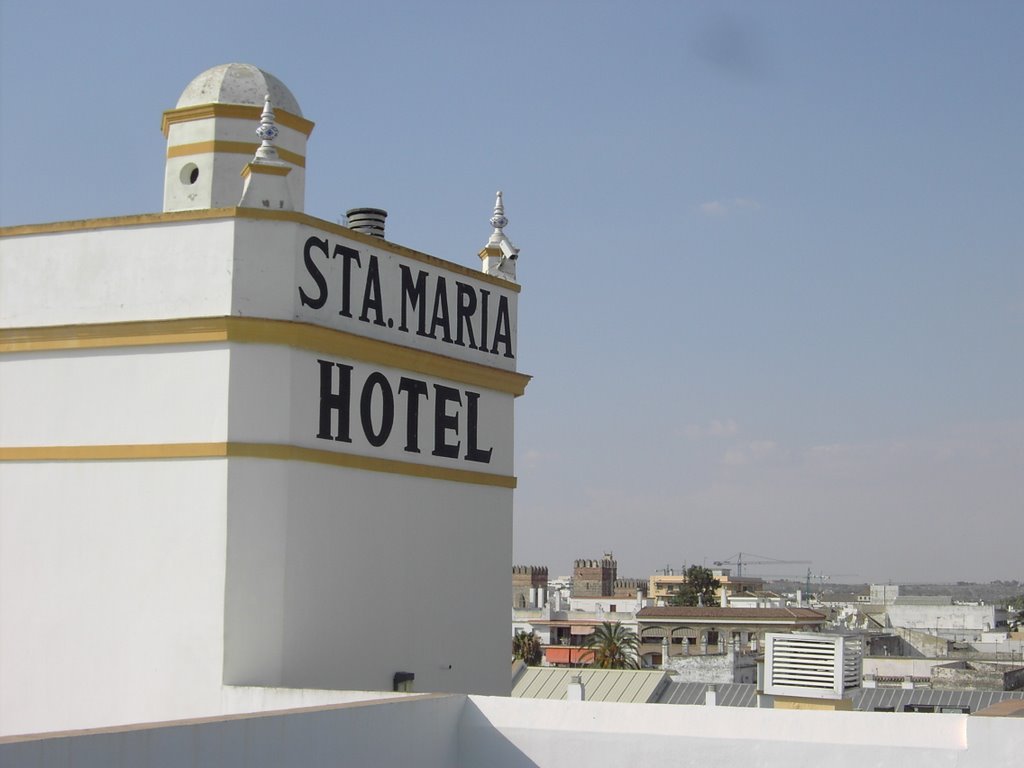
<point>169,394</point>
<point>133,590</point>
<point>717,668</point>
<point>955,622</point>
<point>146,272</point>
<point>220,180</point>
<point>389,733</point>
<point>187,269</point>
<point>515,732</point>
<point>111,592</point>
<point>453,731</point>
<point>337,579</point>
<point>113,574</point>
<point>892,666</point>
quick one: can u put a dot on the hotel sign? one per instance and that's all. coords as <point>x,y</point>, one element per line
<point>405,301</point>
<point>393,412</point>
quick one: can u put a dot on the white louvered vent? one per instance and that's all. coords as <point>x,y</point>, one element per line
<point>811,665</point>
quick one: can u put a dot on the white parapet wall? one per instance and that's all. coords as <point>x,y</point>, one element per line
<point>516,733</point>
<point>456,730</point>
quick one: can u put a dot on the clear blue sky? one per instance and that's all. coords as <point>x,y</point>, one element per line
<point>772,253</point>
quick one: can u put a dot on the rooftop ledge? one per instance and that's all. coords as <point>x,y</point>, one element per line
<point>258,214</point>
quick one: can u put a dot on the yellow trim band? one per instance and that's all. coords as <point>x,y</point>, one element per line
<point>206,214</point>
<point>249,330</point>
<point>238,111</point>
<point>266,170</point>
<point>275,452</point>
<point>231,148</point>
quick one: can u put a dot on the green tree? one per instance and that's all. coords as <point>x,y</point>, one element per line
<point>526,646</point>
<point>1016,608</point>
<point>700,588</point>
<point>613,646</point>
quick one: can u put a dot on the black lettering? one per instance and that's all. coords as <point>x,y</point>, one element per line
<point>331,401</point>
<point>472,452</point>
<point>415,389</point>
<point>314,272</point>
<point>387,419</point>
<point>441,312</point>
<point>465,306</point>
<point>348,256</point>
<point>416,293</point>
<point>484,296</point>
<point>443,421</point>
<point>502,332</point>
<point>371,294</point>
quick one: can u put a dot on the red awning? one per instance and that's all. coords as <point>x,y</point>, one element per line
<point>567,655</point>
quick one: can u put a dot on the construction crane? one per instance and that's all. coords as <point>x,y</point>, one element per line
<point>822,577</point>
<point>739,561</point>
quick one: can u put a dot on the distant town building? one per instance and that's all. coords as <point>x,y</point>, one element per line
<point>978,676</point>
<point>594,578</point>
<point>941,617</point>
<point>664,585</point>
<point>883,594</point>
<point>529,586</point>
<point>680,631</point>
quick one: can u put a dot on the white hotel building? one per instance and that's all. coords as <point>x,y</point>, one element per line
<point>239,444</point>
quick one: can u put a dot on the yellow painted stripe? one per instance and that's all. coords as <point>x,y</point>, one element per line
<point>113,452</point>
<point>238,111</point>
<point>232,148</point>
<point>206,214</point>
<point>266,170</point>
<point>260,331</point>
<point>271,451</point>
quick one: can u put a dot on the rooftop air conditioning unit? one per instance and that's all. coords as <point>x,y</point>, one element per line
<point>812,665</point>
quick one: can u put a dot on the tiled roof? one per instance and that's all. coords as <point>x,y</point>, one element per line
<point>773,614</point>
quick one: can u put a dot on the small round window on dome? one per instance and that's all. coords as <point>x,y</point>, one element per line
<point>190,174</point>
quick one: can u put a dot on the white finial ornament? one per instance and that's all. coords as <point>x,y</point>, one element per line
<point>266,183</point>
<point>498,220</point>
<point>267,132</point>
<point>499,255</point>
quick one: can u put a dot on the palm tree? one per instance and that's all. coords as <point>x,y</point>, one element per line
<point>526,646</point>
<point>613,646</point>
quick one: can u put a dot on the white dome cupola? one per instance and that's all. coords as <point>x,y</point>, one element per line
<point>211,137</point>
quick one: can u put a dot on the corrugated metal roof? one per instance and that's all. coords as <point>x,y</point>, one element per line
<point>864,699</point>
<point>729,694</point>
<point>621,685</point>
<point>923,600</point>
<point>868,699</point>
